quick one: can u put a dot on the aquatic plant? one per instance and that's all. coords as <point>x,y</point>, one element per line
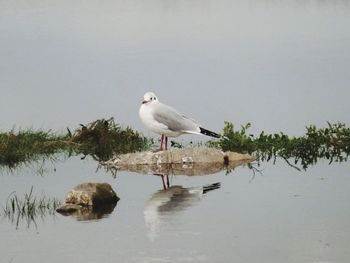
<point>28,208</point>
<point>26,146</point>
<point>101,139</point>
<point>104,138</point>
<point>331,143</point>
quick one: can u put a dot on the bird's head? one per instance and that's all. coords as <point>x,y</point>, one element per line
<point>149,97</point>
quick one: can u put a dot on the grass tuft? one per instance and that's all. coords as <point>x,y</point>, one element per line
<point>104,138</point>
<point>101,139</point>
<point>29,145</point>
<point>28,208</point>
<point>331,143</point>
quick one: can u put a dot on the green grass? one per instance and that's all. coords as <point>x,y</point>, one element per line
<point>104,138</point>
<point>331,143</point>
<point>28,208</point>
<point>26,146</point>
<point>101,139</point>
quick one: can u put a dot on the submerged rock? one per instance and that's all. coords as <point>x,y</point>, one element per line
<point>89,201</point>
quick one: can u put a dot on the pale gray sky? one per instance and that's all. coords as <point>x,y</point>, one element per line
<point>280,66</point>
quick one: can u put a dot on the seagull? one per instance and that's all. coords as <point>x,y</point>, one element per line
<point>166,121</point>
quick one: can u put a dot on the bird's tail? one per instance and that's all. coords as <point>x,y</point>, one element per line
<point>209,133</point>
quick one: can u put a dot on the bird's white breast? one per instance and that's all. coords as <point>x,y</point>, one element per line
<point>146,115</point>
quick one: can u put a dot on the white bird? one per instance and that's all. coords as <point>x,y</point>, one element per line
<point>166,121</point>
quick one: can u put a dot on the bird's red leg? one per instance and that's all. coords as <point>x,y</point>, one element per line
<point>161,142</point>
<point>164,186</point>
<point>165,181</point>
<point>166,143</point>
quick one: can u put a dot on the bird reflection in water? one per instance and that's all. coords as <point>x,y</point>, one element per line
<point>163,205</point>
<point>165,180</point>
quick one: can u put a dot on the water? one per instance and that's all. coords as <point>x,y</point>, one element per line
<point>278,65</point>
<point>282,216</point>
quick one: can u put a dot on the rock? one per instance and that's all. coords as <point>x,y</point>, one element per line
<point>91,194</point>
<point>89,201</point>
<point>185,161</point>
<point>178,156</point>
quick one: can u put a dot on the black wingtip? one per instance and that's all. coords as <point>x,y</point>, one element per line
<point>209,133</point>
<point>211,187</point>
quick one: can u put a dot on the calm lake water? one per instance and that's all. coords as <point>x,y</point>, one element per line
<point>279,65</point>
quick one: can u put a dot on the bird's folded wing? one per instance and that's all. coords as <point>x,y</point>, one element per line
<point>174,120</point>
